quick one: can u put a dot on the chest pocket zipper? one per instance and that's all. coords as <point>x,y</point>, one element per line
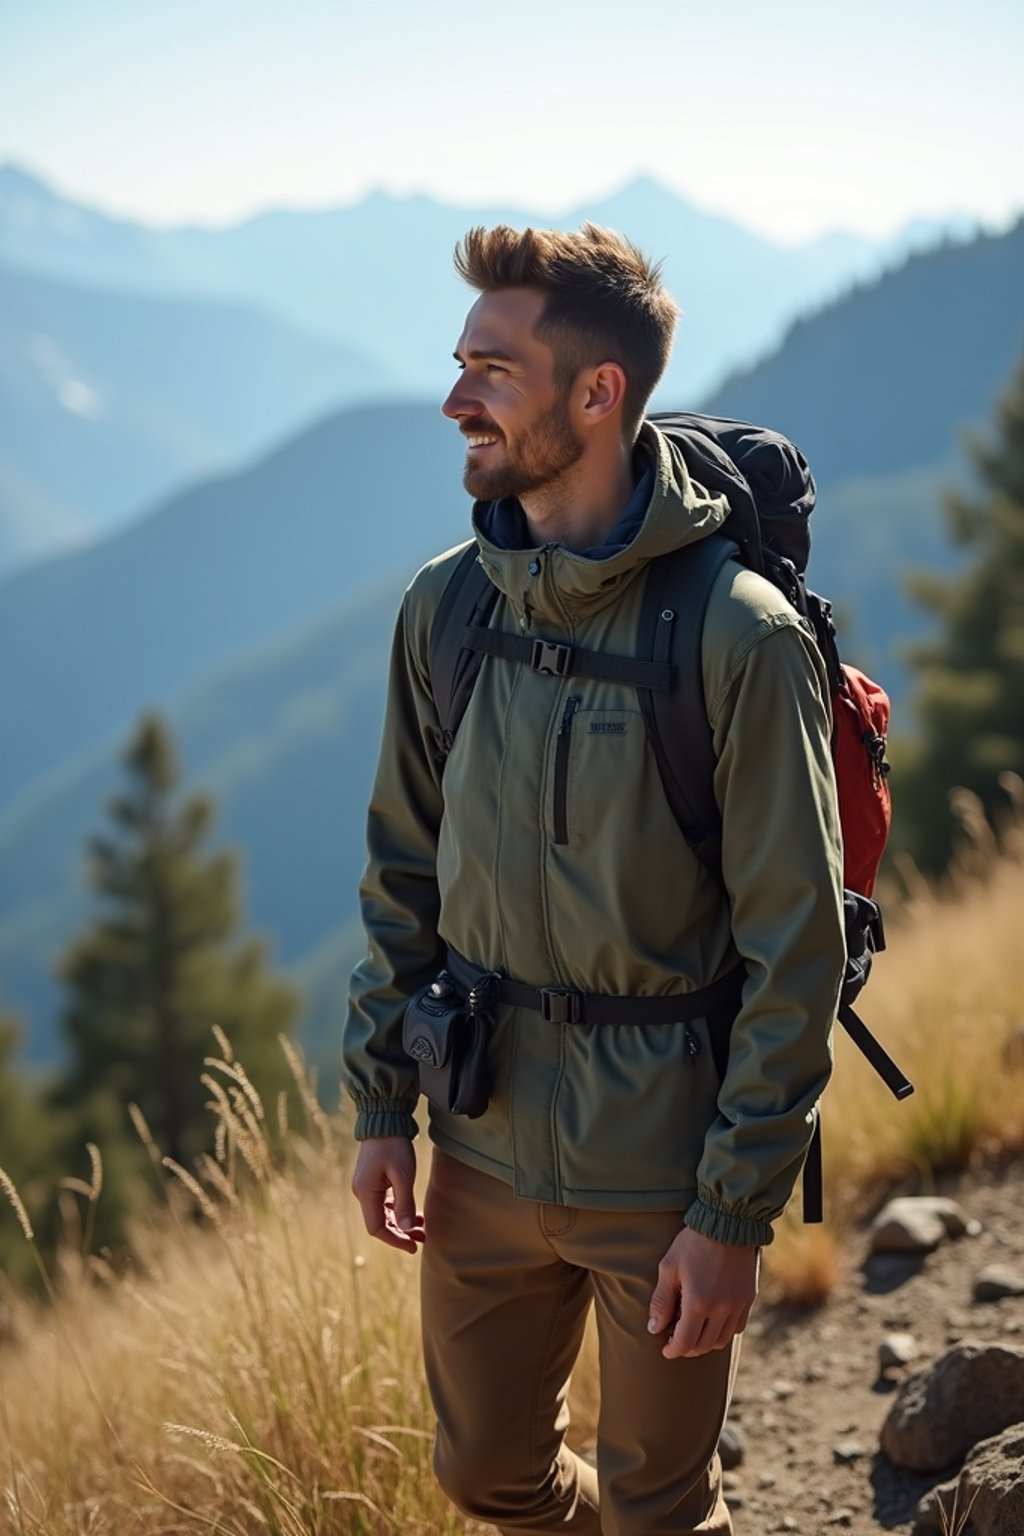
<point>562,746</point>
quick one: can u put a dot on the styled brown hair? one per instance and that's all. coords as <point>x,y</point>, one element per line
<point>605,300</point>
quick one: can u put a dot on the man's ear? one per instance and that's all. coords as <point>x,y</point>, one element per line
<point>602,391</point>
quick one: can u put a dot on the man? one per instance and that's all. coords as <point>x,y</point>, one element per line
<point>611,1166</point>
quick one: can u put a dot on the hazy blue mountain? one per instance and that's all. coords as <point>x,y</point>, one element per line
<point>737,290</point>
<point>87,637</point>
<point>879,390</point>
<point>43,232</point>
<point>378,274</point>
<point>109,400</point>
<point>300,564</point>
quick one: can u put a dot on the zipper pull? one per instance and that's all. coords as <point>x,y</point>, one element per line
<point>692,1043</point>
<point>880,767</point>
<point>572,704</point>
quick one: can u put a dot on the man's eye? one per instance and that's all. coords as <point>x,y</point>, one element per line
<point>496,368</point>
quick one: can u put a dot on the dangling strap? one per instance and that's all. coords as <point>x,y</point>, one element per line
<point>899,1086</point>
<point>814,1179</point>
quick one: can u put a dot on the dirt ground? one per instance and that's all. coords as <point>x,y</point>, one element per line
<point>810,1401</point>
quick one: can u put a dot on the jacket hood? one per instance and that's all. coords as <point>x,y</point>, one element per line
<point>553,583</point>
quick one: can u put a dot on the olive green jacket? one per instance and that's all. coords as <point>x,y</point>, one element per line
<point>582,879</point>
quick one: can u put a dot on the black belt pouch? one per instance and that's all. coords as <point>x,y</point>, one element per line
<point>447,1035</point>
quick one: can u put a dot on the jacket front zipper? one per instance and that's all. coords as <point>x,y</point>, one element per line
<point>562,745</point>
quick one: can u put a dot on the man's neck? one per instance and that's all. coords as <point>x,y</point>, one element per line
<point>580,508</point>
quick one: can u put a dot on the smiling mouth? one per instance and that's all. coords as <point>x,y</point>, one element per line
<point>476,441</point>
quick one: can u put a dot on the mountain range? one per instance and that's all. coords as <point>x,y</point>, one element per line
<point>134,360</point>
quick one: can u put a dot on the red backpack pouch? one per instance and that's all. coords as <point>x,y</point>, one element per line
<point>861,723</point>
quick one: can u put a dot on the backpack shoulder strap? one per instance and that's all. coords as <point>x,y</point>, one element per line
<point>671,628</point>
<point>468,599</point>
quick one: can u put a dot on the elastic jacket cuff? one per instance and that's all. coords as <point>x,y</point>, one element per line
<point>384,1117</point>
<point>712,1219</point>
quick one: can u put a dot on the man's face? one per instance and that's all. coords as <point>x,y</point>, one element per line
<point>516,421</point>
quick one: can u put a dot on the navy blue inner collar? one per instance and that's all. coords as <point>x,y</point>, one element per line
<point>504,521</point>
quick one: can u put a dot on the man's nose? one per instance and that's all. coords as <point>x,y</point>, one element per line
<point>460,401</point>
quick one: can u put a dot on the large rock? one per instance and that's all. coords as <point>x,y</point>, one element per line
<point>918,1224</point>
<point>992,1484</point>
<point>936,1513</point>
<point>989,1492</point>
<point>972,1392</point>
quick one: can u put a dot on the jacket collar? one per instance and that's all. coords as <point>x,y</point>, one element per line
<point>559,585</point>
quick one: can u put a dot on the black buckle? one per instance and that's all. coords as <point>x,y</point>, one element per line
<point>876,932</point>
<point>561,1005</point>
<point>551,658</point>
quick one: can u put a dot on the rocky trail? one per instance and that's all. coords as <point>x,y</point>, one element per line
<point>813,1393</point>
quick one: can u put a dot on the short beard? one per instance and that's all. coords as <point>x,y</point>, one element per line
<point>548,448</point>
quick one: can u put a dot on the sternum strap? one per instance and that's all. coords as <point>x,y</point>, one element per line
<point>558,660</point>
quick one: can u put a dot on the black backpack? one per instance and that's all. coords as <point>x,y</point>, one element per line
<point>771,495</point>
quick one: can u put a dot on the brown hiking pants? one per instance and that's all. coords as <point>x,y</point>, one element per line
<point>506,1287</point>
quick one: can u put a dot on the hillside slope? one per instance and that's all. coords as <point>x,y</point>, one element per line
<point>880,390</point>
<point>876,382</point>
<point>89,638</point>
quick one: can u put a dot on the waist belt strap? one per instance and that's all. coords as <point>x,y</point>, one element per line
<point>566,1005</point>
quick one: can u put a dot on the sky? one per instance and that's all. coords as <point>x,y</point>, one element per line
<point>792,117</point>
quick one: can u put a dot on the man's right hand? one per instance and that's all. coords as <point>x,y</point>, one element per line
<point>388,1164</point>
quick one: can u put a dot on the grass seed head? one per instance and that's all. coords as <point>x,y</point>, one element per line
<point>8,1187</point>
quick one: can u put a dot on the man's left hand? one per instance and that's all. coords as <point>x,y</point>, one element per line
<point>704,1294</point>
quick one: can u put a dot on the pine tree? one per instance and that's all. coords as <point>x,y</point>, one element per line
<point>161,965</point>
<point>970,701</point>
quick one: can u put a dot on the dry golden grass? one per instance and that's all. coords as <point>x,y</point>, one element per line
<point>804,1265</point>
<point>947,1000</point>
<point>257,1372</point>
<point>257,1369</point>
